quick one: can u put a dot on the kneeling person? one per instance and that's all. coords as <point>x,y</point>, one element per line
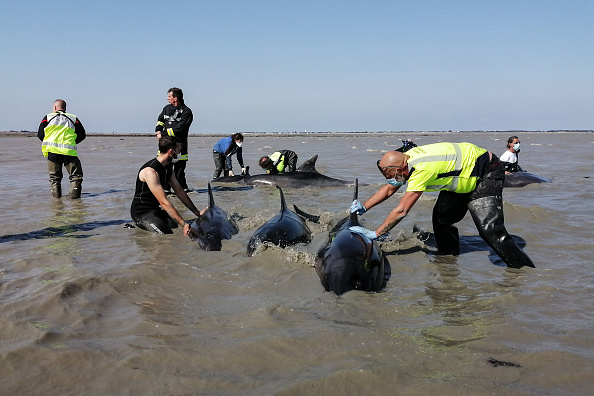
<point>149,194</point>
<point>282,161</point>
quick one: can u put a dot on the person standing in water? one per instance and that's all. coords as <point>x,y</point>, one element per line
<point>222,152</point>
<point>60,133</point>
<point>175,120</point>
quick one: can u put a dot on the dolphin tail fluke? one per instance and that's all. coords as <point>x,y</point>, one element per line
<point>309,165</point>
<point>306,216</point>
<point>210,197</point>
<point>283,202</point>
<point>354,219</point>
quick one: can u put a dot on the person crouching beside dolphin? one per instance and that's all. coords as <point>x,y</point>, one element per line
<point>149,194</point>
<point>469,178</point>
<point>282,161</point>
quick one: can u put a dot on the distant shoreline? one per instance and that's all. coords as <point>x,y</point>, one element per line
<point>281,134</point>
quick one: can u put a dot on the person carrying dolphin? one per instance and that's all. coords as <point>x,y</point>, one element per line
<point>150,209</point>
<point>468,178</point>
<point>282,161</point>
<point>222,152</point>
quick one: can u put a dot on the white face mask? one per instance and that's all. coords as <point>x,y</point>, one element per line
<point>396,181</point>
<point>238,144</point>
<point>517,147</point>
<point>176,158</point>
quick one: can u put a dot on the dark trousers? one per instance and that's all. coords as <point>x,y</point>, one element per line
<point>219,161</point>
<point>290,162</point>
<point>485,204</point>
<point>72,165</point>
<point>179,169</point>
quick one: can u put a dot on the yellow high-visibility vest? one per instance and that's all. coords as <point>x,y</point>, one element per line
<point>444,166</point>
<point>60,137</point>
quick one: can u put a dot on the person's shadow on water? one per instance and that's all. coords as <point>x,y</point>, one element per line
<point>62,231</point>
<point>468,244</point>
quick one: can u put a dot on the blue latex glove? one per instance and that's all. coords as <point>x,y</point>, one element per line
<point>358,207</point>
<point>364,232</point>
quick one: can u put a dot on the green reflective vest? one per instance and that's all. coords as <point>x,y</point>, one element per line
<point>60,137</point>
<point>278,160</point>
<point>443,166</point>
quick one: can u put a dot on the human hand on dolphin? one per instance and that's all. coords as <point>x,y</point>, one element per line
<point>358,207</point>
<point>364,232</point>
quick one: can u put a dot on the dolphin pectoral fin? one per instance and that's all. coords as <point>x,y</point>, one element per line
<point>307,216</point>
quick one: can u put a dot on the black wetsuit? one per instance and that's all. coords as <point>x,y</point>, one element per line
<point>145,209</point>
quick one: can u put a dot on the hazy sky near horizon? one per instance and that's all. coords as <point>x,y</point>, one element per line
<point>302,65</point>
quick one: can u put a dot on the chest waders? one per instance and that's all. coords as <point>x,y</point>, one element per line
<point>485,204</point>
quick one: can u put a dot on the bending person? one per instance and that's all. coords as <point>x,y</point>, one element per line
<point>149,193</point>
<point>222,152</point>
<point>469,178</point>
<point>282,161</point>
<point>510,157</point>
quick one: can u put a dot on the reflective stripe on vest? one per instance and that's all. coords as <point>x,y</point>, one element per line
<point>451,163</point>
<point>60,137</point>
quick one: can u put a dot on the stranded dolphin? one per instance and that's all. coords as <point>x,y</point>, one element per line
<point>520,179</point>
<point>305,176</point>
<point>284,229</point>
<point>213,226</point>
<point>349,261</point>
<point>231,179</point>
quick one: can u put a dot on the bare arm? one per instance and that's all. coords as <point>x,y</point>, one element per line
<point>183,196</point>
<point>380,196</point>
<point>399,212</point>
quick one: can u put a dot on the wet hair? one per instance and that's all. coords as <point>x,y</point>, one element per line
<point>177,93</point>
<point>167,143</point>
<point>510,140</point>
<point>265,162</point>
<point>234,137</point>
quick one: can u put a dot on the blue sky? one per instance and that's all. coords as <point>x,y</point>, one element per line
<point>302,65</point>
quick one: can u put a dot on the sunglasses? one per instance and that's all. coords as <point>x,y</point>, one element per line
<point>385,168</point>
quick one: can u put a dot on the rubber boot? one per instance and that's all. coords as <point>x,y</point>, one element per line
<point>56,189</point>
<point>487,213</point>
<point>75,190</point>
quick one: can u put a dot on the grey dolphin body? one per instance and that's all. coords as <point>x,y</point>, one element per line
<point>349,261</point>
<point>284,229</point>
<point>305,176</point>
<point>520,179</point>
<point>213,226</point>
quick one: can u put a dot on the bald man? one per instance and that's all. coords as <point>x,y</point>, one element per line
<point>60,133</point>
<point>468,178</point>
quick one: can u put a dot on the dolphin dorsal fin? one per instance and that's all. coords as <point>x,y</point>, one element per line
<point>309,165</point>
<point>247,171</point>
<point>210,198</point>
<point>283,203</point>
<point>353,218</point>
